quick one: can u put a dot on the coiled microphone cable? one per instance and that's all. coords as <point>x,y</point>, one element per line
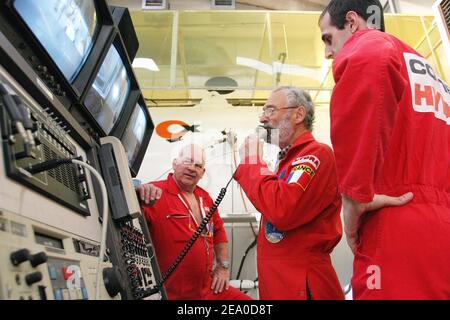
<point>197,233</point>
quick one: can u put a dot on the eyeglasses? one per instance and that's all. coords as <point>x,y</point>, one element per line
<point>188,162</point>
<point>267,112</point>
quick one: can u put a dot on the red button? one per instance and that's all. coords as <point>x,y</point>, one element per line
<point>66,273</point>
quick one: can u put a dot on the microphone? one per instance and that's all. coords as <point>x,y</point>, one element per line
<point>267,133</point>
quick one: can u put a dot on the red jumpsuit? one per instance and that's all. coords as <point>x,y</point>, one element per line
<point>300,223</point>
<point>171,225</point>
<point>390,131</point>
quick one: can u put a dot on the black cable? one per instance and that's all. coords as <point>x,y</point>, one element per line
<point>195,236</point>
<point>253,244</point>
<point>50,164</point>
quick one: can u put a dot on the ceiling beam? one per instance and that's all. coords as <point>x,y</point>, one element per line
<point>297,5</point>
<point>300,5</point>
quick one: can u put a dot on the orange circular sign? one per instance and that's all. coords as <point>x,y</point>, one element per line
<point>163,130</point>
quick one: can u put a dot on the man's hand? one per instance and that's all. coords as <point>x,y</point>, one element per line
<point>148,194</point>
<point>221,279</point>
<point>353,212</point>
<point>252,146</point>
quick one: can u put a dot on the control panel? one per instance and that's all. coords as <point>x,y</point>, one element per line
<point>137,260</point>
<point>42,262</point>
<point>32,135</point>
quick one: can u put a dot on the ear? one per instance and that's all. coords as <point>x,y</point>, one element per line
<point>174,164</point>
<point>203,172</point>
<point>352,21</point>
<point>300,114</point>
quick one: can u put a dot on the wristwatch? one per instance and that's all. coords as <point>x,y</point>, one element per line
<point>224,264</point>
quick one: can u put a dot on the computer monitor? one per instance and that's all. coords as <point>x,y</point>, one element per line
<point>107,96</point>
<point>65,28</point>
<point>113,91</point>
<point>136,135</point>
<point>68,37</point>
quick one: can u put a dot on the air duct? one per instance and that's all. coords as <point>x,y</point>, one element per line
<point>154,5</point>
<point>223,4</point>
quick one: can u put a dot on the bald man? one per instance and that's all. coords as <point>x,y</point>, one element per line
<point>174,209</point>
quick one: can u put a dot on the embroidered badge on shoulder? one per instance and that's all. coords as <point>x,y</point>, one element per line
<point>301,175</point>
<point>310,159</point>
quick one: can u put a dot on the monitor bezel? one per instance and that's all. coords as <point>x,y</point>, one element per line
<point>104,37</point>
<point>133,94</point>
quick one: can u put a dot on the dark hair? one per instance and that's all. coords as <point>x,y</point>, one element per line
<point>339,8</point>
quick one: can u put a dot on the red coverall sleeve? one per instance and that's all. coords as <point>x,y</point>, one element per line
<point>287,205</point>
<point>363,107</point>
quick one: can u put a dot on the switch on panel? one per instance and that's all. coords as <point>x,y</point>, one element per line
<point>19,256</point>
<point>65,294</point>
<point>52,272</point>
<point>38,258</point>
<point>58,294</point>
<point>32,278</point>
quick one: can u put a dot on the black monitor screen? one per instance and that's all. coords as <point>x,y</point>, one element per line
<point>65,28</point>
<point>107,96</point>
<point>134,133</point>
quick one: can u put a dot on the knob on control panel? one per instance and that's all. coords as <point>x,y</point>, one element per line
<point>38,258</point>
<point>112,280</point>
<point>19,256</point>
<point>33,278</point>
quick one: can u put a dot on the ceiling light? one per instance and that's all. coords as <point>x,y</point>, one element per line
<point>145,63</point>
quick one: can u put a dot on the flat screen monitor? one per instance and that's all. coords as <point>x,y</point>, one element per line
<point>108,94</point>
<point>136,135</point>
<point>65,28</point>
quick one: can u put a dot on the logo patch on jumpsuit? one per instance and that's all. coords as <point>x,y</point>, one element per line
<point>304,170</point>
<point>272,234</point>
<point>301,175</point>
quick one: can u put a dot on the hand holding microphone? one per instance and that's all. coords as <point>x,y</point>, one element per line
<point>268,133</point>
<point>252,147</point>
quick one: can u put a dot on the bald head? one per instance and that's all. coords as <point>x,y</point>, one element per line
<point>193,152</point>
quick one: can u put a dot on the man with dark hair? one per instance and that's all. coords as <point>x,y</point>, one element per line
<point>300,204</point>
<point>390,117</point>
<point>366,9</point>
